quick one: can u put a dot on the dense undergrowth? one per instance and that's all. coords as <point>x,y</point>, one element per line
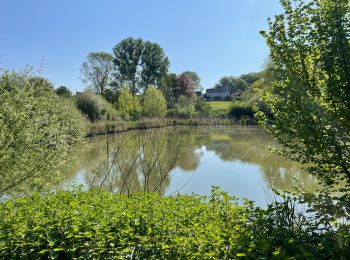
<point>99,225</point>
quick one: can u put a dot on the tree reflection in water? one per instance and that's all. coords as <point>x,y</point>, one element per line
<point>143,161</point>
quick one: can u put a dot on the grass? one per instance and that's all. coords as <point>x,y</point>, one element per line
<point>222,108</point>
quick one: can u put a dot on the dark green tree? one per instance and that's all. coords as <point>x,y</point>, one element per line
<point>251,77</point>
<point>63,91</point>
<point>232,84</point>
<point>127,59</point>
<point>170,88</point>
<point>154,64</point>
<point>138,64</point>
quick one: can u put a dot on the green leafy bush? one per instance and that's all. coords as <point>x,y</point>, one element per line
<point>238,111</point>
<point>99,225</point>
<point>185,107</point>
<point>38,130</point>
<point>128,105</point>
<point>154,103</point>
<point>95,107</point>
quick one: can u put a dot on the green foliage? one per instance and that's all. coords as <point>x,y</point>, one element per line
<point>154,103</point>
<point>37,132</point>
<point>95,107</point>
<point>251,77</point>
<point>99,225</point>
<point>128,105</point>
<point>185,107</point>
<point>202,108</point>
<point>233,84</point>
<point>239,110</point>
<point>138,64</point>
<point>310,97</point>
<point>64,92</point>
<point>97,71</point>
<point>170,88</point>
<point>194,77</point>
<point>154,64</point>
<point>188,82</point>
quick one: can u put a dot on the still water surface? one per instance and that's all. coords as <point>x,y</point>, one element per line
<point>189,160</point>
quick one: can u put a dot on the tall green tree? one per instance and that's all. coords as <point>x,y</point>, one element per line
<point>138,64</point>
<point>154,64</point>
<point>97,71</point>
<point>310,99</point>
<point>127,59</point>
<point>154,103</point>
<point>38,130</point>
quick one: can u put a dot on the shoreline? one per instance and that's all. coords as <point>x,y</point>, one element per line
<point>115,127</point>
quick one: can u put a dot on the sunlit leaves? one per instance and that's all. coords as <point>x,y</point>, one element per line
<point>310,98</point>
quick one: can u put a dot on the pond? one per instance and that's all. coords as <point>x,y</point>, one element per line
<point>189,160</point>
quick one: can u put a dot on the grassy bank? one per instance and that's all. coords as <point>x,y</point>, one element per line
<point>112,127</point>
<point>98,225</point>
<point>220,108</point>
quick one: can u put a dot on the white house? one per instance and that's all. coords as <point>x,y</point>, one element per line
<point>217,94</point>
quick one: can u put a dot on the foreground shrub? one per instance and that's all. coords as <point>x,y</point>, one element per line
<point>99,225</point>
<point>38,130</point>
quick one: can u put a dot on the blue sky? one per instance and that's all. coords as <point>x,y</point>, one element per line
<point>215,38</point>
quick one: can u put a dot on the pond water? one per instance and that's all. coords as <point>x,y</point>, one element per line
<point>189,160</point>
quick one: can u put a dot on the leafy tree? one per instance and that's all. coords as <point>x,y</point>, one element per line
<point>188,82</point>
<point>110,95</point>
<point>232,84</point>
<point>128,105</point>
<point>195,78</point>
<point>139,63</point>
<point>37,132</point>
<point>64,92</point>
<point>203,108</point>
<point>251,77</point>
<point>154,103</point>
<point>185,106</point>
<point>154,64</point>
<point>310,98</point>
<point>170,88</point>
<point>97,71</point>
<point>127,58</point>
<point>95,107</point>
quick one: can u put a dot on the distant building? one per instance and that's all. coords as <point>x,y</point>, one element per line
<point>217,94</point>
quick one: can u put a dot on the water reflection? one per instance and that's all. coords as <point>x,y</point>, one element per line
<point>164,160</point>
